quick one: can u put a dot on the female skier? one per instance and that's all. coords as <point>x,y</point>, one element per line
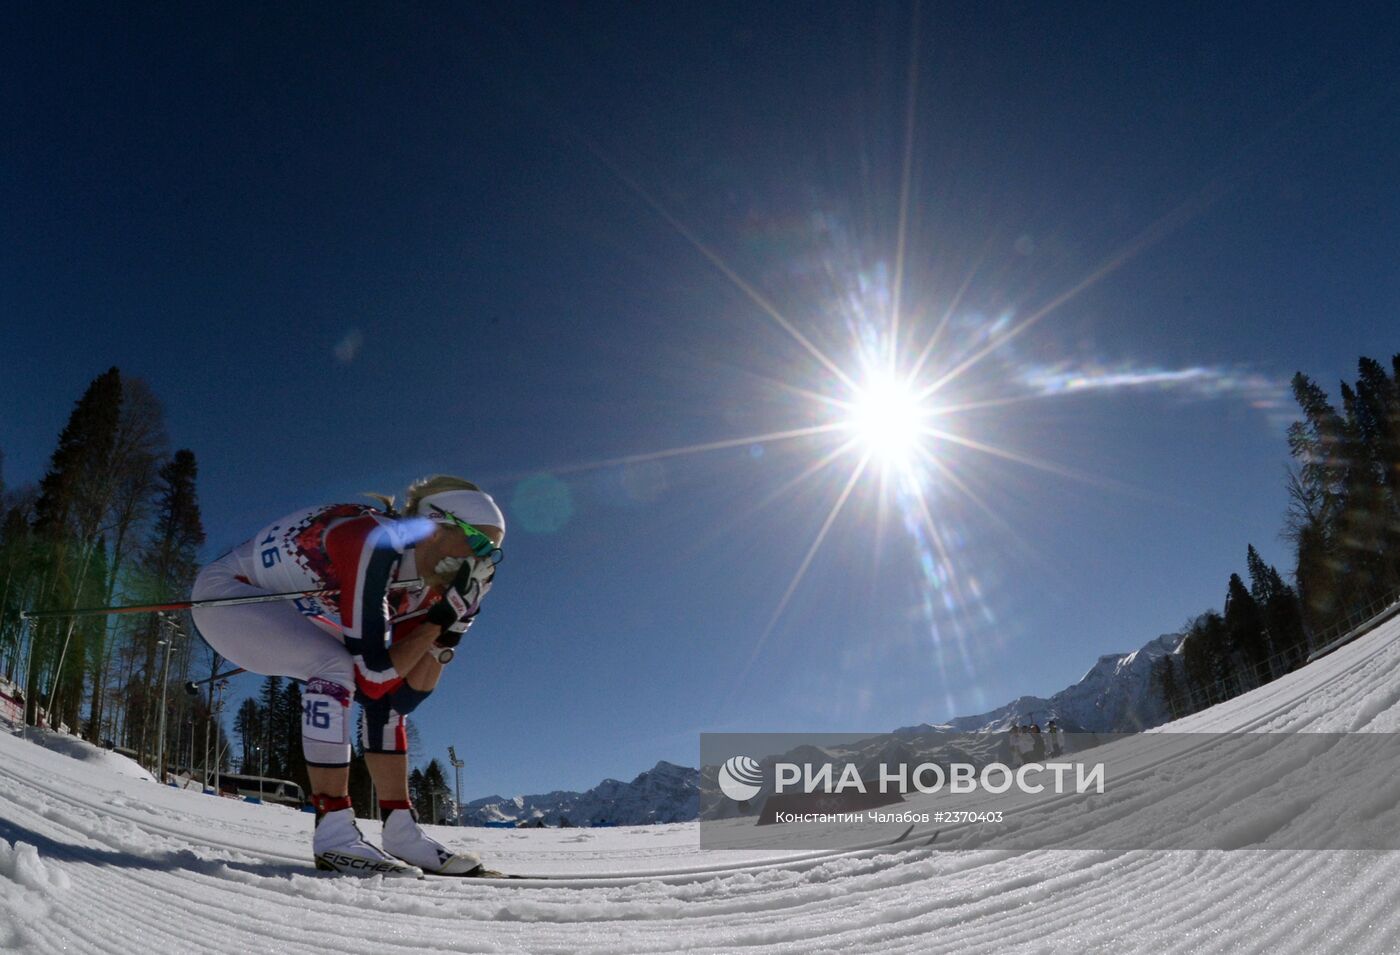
<point>405,588</point>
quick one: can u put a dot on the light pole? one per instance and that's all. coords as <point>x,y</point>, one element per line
<point>262,761</point>
<point>167,641</point>
<point>215,708</point>
<point>214,715</point>
<point>189,759</point>
<point>208,723</point>
<point>457,764</point>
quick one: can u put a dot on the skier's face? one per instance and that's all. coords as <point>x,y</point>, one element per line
<point>449,541</point>
<point>456,544</point>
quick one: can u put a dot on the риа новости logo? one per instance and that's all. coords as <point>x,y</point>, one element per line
<point>740,778</point>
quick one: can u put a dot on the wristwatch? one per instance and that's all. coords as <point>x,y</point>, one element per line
<point>442,655</point>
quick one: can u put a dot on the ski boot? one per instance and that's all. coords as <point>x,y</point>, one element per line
<point>404,838</point>
<point>340,847</point>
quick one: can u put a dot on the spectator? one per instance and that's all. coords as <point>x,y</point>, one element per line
<point>1025,745</point>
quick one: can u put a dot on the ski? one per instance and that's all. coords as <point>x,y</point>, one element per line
<point>484,873</point>
<point>481,873</point>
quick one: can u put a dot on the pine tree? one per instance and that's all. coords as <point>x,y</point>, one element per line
<point>1203,656</point>
<point>1378,422</point>
<point>291,758</point>
<point>418,794</point>
<point>1278,606</point>
<point>1284,616</point>
<point>248,724</point>
<point>70,499</point>
<point>16,570</point>
<point>166,567</point>
<point>437,796</point>
<point>1164,679</point>
<point>1344,512</point>
<point>1260,584</point>
<point>139,444</point>
<point>1362,509</point>
<point>171,557</point>
<point>88,650</point>
<point>1313,493</point>
<point>1244,626</point>
<point>74,496</point>
<point>270,700</point>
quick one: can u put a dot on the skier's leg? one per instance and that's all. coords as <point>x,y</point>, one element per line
<point>330,781</point>
<point>386,754</point>
<point>385,734</point>
<point>390,774</point>
<point>274,639</point>
<point>278,640</point>
<point>338,845</point>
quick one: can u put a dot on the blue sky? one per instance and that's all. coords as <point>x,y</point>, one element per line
<point>530,245</point>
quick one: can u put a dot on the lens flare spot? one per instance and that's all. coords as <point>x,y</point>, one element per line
<point>543,504</point>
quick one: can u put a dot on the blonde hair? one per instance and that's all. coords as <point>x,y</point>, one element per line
<point>421,488</point>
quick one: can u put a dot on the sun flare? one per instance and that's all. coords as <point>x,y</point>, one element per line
<point>886,417</point>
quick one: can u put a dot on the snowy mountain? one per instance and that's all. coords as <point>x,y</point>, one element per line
<point>664,793</point>
<point>1115,696</point>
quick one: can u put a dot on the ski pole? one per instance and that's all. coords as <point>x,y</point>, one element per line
<point>192,686</point>
<point>192,604</point>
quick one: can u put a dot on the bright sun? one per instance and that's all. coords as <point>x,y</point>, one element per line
<point>886,415</point>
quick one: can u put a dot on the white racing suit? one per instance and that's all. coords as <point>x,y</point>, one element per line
<point>338,644</point>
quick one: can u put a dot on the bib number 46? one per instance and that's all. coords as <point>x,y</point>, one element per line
<point>271,556</point>
<point>316,713</point>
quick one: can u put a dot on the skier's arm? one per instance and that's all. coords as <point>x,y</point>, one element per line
<point>364,553</point>
<point>425,674</point>
<point>409,654</point>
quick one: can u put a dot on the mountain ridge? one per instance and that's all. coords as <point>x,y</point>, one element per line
<point>664,793</point>
<point>1114,695</point>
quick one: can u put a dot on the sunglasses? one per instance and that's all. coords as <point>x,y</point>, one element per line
<point>481,545</point>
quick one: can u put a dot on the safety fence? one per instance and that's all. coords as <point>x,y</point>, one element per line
<point>1245,676</point>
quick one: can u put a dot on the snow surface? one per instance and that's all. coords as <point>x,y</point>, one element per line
<point>81,749</point>
<point>93,860</point>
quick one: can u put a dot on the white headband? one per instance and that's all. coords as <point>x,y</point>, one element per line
<point>473,507</point>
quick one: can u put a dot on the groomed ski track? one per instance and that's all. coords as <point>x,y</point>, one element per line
<point>93,861</point>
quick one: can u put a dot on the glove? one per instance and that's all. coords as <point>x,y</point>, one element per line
<point>450,638</point>
<point>460,603</point>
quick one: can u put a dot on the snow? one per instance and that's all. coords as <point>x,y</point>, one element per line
<point>81,749</point>
<point>94,860</point>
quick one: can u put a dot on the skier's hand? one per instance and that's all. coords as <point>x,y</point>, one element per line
<point>462,599</point>
<point>450,637</point>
